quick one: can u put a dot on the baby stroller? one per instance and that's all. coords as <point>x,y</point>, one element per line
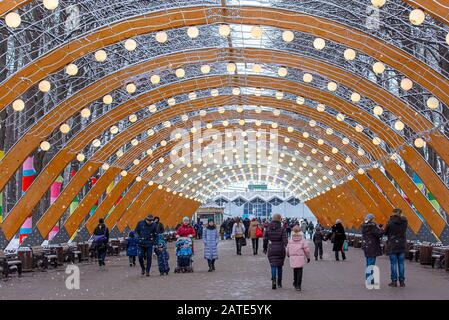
<point>184,255</point>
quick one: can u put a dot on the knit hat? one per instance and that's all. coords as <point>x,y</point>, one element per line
<point>338,221</point>
<point>296,229</point>
<point>185,219</point>
<point>149,217</point>
<point>369,217</point>
<point>210,220</point>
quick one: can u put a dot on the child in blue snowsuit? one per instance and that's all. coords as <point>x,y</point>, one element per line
<point>162,255</point>
<point>131,248</point>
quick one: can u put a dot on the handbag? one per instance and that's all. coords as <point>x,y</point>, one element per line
<point>259,232</point>
<point>243,241</point>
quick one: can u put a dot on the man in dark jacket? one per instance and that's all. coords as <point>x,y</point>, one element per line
<point>396,246</point>
<point>100,241</point>
<point>147,234</point>
<point>318,238</point>
<point>371,236</point>
<point>275,242</point>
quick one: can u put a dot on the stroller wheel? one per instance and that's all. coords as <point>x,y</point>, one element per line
<point>184,270</point>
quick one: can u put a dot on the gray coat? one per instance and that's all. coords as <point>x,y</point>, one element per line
<point>210,239</point>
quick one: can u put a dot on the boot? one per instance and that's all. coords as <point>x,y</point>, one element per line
<point>402,284</point>
<point>213,265</point>
<point>273,284</point>
<point>393,284</point>
<point>298,288</point>
<point>279,283</point>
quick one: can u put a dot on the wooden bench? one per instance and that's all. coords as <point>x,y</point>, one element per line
<point>42,258</point>
<point>439,255</point>
<point>9,264</point>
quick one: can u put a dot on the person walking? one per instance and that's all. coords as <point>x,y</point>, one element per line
<point>338,237</point>
<point>371,236</point>
<point>255,232</point>
<point>275,241</point>
<point>162,254</point>
<point>158,225</point>
<point>318,238</point>
<point>238,233</point>
<point>246,223</point>
<point>310,229</point>
<point>200,230</point>
<point>100,242</point>
<point>395,230</point>
<point>298,252</point>
<point>147,234</point>
<point>304,226</point>
<point>210,239</point>
<point>131,248</point>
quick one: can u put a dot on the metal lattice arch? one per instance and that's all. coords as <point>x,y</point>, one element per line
<point>92,92</point>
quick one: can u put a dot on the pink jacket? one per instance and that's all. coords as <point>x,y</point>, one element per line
<point>298,251</point>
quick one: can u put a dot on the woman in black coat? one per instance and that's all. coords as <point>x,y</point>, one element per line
<point>275,242</point>
<point>338,237</point>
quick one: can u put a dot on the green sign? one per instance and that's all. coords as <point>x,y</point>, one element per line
<point>257,187</point>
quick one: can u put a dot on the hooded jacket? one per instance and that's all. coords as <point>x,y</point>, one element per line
<point>395,231</point>
<point>146,233</point>
<point>274,243</point>
<point>371,236</point>
<point>298,251</point>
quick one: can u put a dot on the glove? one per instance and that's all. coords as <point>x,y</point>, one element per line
<point>308,260</point>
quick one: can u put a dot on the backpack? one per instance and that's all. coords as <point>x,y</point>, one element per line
<point>259,232</point>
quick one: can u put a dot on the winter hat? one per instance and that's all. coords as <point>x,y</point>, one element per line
<point>101,220</point>
<point>131,233</point>
<point>338,221</point>
<point>277,217</point>
<point>296,229</point>
<point>149,217</point>
<point>210,220</point>
<point>369,217</point>
<point>185,219</point>
<point>397,212</point>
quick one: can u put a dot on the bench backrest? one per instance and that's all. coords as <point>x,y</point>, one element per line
<point>37,250</point>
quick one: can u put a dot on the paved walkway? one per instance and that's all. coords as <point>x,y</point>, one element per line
<point>237,277</point>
